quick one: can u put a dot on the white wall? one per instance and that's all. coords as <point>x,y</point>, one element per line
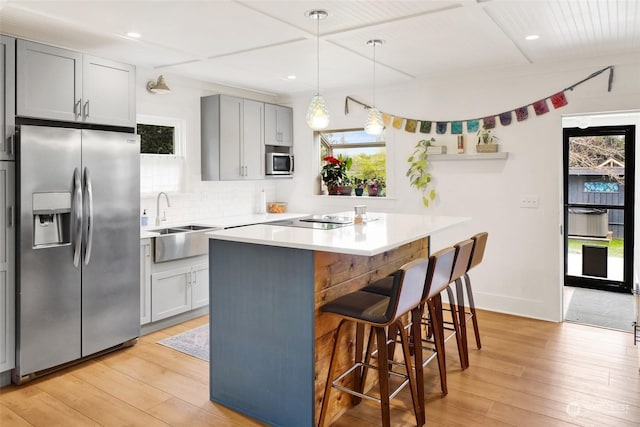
<point>199,199</point>
<point>522,270</point>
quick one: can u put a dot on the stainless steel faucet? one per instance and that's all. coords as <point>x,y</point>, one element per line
<point>164,213</point>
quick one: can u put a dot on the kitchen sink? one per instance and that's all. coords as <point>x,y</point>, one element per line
<point>180,241</point>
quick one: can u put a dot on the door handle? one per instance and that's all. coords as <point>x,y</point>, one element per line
<point>89,200</point>
<point>11,145</point>
<point>10,218</point>
<point>85,110</point>
<point>77,189</point>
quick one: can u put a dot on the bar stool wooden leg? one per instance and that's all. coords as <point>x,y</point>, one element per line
<point>383,376</point>
<point>455,319</point>
<point>462,317</point>
<point>435,313</point>
<point>472,308</point>
<point>416,318</point>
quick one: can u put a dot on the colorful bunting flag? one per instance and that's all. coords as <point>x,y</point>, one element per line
<point>522,113</point>
<point>505,118</point>
<point>386,118</point>
<point>411,126</point>
<point>473,125</point>
<point>558,100</point>
<point>456,127</point>
<point>540,107</point>
<point>397,122</point>
<point>489,122</point>
<point>441,127</point>
<point>425,126</point>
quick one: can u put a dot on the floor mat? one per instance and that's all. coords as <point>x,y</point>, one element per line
<point>194,342</point>
<point>601,308</point>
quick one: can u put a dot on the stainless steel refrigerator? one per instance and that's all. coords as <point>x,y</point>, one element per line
<point>78,247</point>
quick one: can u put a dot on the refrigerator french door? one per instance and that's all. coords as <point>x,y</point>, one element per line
<point>78,244</point>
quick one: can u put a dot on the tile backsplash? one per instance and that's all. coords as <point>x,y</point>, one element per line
<point>209,200</point>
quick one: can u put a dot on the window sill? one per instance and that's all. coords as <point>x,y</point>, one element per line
<point>363,197</point>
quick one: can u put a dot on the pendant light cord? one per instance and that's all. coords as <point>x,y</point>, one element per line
<point>318,51</point>
<point>374,74</point>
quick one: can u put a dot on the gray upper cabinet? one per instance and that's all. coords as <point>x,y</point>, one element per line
<point>278,125</point>
<point>60,84</point>
<point>7,97</point>
<point>232,138</point>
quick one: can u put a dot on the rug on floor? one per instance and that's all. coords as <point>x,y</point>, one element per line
<point>194,342</point>
<point>600,308</point>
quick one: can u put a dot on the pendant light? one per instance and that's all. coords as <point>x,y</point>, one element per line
<point>374,124</point>
<point>317,113</point>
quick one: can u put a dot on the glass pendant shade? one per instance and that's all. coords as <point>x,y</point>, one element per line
<point>374,124</point>
<point>317,113</point>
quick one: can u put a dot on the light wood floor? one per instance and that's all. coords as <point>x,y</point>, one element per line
<point>528,373</point>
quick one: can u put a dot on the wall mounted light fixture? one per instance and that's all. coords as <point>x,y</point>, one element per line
<point>374,124</point>
<point>317,113</point>
<point>159,87</point>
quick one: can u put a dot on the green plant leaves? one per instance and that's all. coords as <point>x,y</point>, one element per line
<point>417,173</point>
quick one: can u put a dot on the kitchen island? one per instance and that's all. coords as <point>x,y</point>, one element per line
<point>269,343</point>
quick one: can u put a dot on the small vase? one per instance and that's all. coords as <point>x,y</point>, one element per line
<point>359,191</point>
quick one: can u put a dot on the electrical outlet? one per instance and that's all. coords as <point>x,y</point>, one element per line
<point>529,201</point>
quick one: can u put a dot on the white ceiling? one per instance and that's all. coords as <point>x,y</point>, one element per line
<point>256,44</point>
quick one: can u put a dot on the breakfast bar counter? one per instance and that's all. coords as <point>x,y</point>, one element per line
<point>269,343</point>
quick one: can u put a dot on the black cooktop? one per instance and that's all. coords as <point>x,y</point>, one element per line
<point>318,222</point>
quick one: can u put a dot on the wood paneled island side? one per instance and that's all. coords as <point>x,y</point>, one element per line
<point>269,342</point>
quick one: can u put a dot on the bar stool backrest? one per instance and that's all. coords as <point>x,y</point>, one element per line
<point>463,255</point>
<point>411,287</point>
<point>480,242</point>
<point>439,273</point>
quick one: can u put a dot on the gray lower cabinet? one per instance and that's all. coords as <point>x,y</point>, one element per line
<point>278,125</point>
<point>145,281</point>
<point>60,84</point>
<point>7,97</point>
<point>179,290</point>
<point>7,266</point>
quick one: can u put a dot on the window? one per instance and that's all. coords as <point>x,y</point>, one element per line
<point>161,135</point>
<point>368,154</point>
<point>162,153</point>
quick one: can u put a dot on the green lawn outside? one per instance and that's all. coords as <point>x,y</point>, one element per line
<point>616,246</point>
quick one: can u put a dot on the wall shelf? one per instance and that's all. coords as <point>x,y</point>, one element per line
<point>470,156</point>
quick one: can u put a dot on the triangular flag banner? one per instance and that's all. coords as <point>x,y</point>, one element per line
<point>522,113</point>
<point>489,122</point>
<point>540,107</point>
<point>505,118</point>
<point>425,126</point>
<point>397,122</point>
<point>558,100</point>
<point>473,125</point>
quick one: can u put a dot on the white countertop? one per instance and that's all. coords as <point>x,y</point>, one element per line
<point>389,231</point>
<point>221,222</point>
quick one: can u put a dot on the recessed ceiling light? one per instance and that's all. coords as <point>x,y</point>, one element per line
<point>292,77</point>
<point>532,37</point>
<point>134,34</point>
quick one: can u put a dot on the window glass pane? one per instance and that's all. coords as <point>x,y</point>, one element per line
<point>156,139</point>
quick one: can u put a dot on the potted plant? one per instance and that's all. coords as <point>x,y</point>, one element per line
<point>375,186</point>
<point>419,176</point>
<point>345,187</point>
<point>359,184</point>
<point>487,142</point>
<point>334,173</point>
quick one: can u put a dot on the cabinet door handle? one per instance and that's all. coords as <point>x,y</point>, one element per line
<point>10,145</point>
<point>76,108</point>
<point>86,109</point>
<point>10,218</point>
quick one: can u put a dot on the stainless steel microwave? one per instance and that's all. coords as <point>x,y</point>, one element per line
<point>279,164</point>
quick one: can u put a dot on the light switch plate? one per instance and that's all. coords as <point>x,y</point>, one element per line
<point>529,201</point>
